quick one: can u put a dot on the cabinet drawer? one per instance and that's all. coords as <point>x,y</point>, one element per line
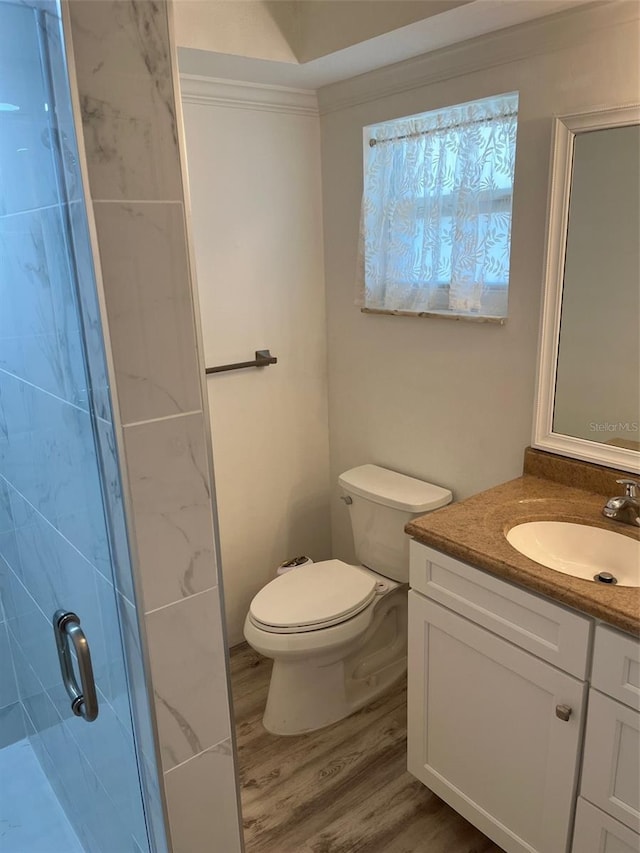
<point>597,832</point>
<point>610,777</point>
<point>616,666</point>
<point>545,629</point>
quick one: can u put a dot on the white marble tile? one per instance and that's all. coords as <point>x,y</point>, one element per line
<point>58,577</point>
<point>90,804</point>
<point>59,756</point>
<point>188,673</point>
<point>9,554</point>
<point>80,762</point>
<point>201,797</point>
<point>8,685</point>
<point>109,750</point>
<point>39,329</point>
<point>112,486</point>
<point>151,782</point>
<point>24,828</point>
<point>148,295</point>
<point>63,131</point>
<point>28,177</point>
<point>11,724</point>
<point>130,692</point>
<point>65,800</point>
<point>28,684</point>
<point>134,701</point>
<point>171,501</point>
<point>28,623</point>
<point>47,453</point>
<point>114,668</point>
<point>6,517</point>
<point>93,336</point>
<point>131,696</point>
<point>79,754</point>
<point>123,67</point>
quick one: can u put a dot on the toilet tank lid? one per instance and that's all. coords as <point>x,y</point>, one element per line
<point>394,490</point>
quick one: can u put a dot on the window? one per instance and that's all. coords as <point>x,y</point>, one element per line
<point>436,211</point>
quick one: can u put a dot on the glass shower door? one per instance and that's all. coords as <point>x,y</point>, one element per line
<point>69,772</point>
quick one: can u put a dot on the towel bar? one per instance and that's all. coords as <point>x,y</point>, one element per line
<point>263,359</point>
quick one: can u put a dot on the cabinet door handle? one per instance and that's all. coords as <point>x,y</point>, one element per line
<point>563,712</point>
<point>66,627</point>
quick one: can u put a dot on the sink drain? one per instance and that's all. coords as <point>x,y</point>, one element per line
<point>605,577</point>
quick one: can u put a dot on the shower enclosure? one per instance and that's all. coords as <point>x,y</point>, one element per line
<point>76,736</point>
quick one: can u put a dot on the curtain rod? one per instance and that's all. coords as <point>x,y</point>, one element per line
<point>373,142</point>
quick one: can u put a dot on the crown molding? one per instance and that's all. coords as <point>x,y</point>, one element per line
<point>544,35</point>
<point>238,94</point>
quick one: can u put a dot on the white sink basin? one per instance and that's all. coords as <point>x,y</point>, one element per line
<point>579,550</point>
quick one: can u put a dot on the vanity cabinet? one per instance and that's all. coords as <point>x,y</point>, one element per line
<point>608,812</point>
<point>610,773</point>
<point>498,687</point>
<point>483,729</point>
<point>598,832</point>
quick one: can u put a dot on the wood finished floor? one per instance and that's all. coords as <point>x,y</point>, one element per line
<point>343,789</point>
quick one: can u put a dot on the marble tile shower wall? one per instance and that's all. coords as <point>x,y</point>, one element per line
<point>11,714</point>
<point>123,65</point>
<point>54,544</point>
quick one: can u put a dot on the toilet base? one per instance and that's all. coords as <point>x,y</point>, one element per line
<point>309,694</point>
<point>306,714</point>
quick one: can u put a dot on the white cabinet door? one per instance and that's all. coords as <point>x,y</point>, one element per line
<point>484,732</point>
<point>611,768</point>
<point>597,832</point>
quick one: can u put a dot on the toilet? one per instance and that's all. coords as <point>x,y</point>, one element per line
<point>337,633</point>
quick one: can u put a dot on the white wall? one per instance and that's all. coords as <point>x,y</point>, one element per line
<point>452,401</point>
<point>257,224</point>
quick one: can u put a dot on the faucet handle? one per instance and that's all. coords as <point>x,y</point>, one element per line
<point>630,487</point>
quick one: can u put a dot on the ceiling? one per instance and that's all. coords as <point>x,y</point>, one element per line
<point>313,43</point>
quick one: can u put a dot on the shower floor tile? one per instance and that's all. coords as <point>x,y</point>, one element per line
<point>31,819</point>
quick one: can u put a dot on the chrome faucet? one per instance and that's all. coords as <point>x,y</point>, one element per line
<point>625,508</point>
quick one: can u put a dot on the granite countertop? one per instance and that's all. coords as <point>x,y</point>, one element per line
<point>474,531</point>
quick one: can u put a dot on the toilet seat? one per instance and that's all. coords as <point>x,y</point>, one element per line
<point>313,597</point>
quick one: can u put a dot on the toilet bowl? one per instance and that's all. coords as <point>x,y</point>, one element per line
<point>337,633</point>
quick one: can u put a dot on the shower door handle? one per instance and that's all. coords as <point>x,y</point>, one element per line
<point>66,627</point>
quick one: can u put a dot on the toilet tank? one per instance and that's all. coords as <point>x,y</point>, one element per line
<point>382,502</point>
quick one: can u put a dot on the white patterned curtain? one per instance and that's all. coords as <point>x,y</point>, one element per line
<point>435,229</point>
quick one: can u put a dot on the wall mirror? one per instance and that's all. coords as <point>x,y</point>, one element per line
<point>588,395</point>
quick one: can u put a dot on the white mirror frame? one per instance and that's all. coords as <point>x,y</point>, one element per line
<point>564,131</point>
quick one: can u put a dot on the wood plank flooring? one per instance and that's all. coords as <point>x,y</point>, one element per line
<point>344,789</point>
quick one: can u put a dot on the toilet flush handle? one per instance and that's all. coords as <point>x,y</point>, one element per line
<point>347,499</point>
